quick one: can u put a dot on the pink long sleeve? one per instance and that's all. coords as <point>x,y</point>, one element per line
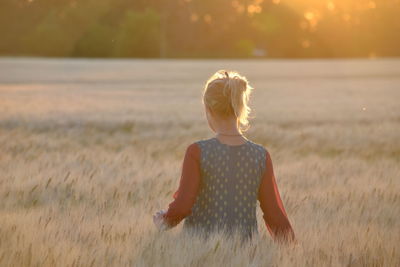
<point>274,213</point>
<point>185,196</point>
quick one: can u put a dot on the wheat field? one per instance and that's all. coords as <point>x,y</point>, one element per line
<point>91,149</point>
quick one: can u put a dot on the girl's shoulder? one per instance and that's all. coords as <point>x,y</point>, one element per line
<point>204,142</point>
<point>257,146</point>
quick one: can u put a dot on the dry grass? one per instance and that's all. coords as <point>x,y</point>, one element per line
<point>90,150</point>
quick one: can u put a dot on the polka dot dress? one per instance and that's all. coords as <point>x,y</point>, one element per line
<point>227,199</point>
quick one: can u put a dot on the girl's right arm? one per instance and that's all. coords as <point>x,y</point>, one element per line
<point>185,196</point>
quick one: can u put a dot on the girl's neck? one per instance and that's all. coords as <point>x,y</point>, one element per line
<point>231,140</point>
<point>227,127</point>
<point>227,132</point>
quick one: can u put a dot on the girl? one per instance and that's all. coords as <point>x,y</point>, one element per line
<point>224,176</point>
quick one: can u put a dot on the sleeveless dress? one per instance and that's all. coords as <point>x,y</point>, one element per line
<point>227,198</point>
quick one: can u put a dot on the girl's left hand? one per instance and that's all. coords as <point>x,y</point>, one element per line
<point>159,220</point>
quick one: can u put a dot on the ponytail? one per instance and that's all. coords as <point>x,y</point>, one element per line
<point>227,94</point>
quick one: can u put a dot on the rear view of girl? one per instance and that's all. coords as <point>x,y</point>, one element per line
<point>223,177</point>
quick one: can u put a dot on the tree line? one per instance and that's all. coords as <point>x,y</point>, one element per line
<point>198,29</point>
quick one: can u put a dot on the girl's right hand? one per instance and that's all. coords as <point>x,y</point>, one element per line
<point>159,220</point>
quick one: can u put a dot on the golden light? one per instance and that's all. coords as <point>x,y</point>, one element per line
<point>305,43</point>
<point>330,5</point>
<point>312,17</point>
<point>235,4</point>
<point>254,9</point>
<point>309,15</point>
<point>372,5</point>
<point>303,25</point>
<point>194,17</point>
<point>239,7</point>
<point>346,17</point>
<point>276,2</point>
<point>207,18</point>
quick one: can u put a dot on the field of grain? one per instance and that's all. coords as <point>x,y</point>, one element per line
<point>91,149</point>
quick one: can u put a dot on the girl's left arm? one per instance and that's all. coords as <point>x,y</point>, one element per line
<point>274,213</point>
<point>185,196</point>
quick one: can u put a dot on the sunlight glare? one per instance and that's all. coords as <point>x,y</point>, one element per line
<point>309,15</point>
<point>254,9</point>
<point>330,5</point>
<point>194,17</point>
<point>371,5</point>
<point>207,18</point>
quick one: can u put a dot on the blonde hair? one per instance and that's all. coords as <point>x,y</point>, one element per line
<point>226,94</point>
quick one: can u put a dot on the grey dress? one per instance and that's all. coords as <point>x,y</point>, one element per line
<point>227,198</point>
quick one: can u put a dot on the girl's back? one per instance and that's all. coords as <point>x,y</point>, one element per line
<point>227,198</point>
